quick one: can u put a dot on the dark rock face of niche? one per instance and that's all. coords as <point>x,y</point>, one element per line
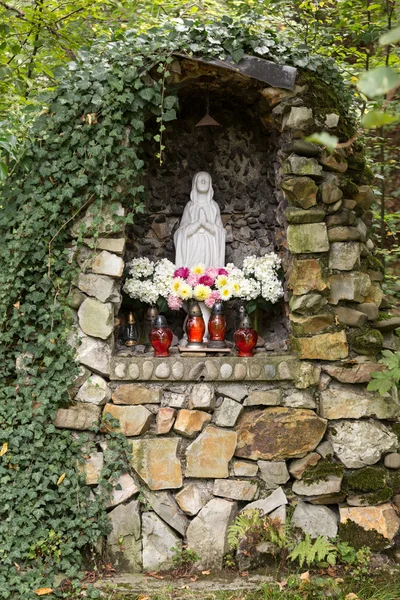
<point>240,157</point>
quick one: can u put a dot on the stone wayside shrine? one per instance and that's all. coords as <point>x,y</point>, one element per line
<point>292,426</point>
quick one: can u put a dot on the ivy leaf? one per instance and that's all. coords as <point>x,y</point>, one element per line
<point>3,171</point>
<point>146,93</point>
<point>325,139</point>
<point>237,55</point>
<point>169,115</point>
<point>391,37</point>
<point>169,102</point>
<point>378,82</point>
<point>377,118</point>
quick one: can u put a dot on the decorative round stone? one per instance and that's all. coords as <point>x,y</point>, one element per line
<point>120,370</point>
<point>283,370</point>
<point>162,371</point>
<point>392,460</point>
<point>147,369</point>
<point>197,371</point>
<point>226,371</point>
<point>212,371</point>
<point>240,371</point>
<point>270,371</point>
<point>133,371</point>
<point>177,370</point>
<point>254,371</point>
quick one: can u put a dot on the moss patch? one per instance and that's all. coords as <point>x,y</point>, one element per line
<point>367,479</point>
<point>322,470</point>
<point>373,264</point>
<point>394,480</point>
<point>366,340</point>
<point>358,537</point>
<point>349,188</point>
<point>379,497</point>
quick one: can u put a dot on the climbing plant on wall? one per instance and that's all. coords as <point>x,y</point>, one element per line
<point>87,151</point>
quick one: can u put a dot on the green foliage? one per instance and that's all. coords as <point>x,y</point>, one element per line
<point>184,558</point>
<point>378,82</point>
<point>384,381</point>
<point>312,552</point>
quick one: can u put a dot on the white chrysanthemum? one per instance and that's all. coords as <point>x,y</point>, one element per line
<point>225,292</point>
<point>236,287</point>
<point>176,284</point>
<point>198,269</point>
<point>185,291</point>
<point>163,276</point>
<point>202,292</point>
<point>221,281</point>
<point>141,267</point>
<point>145,291</point>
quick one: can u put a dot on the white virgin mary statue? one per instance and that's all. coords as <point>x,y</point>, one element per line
<point>201,235</point>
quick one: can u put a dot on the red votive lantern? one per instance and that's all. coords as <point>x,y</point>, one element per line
<point>246,337</point>
<point>217,326</point>
<point>160,336</point>
<point>195,326</point>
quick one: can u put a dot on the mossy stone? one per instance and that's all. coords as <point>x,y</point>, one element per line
<point>322,470</point>
<point>367,479</point>
<point>358,537</point>
<point>366,341</point>
<point>371,263</point>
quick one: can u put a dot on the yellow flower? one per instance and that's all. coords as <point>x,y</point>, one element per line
<point>235,286</point>
<point>221,281</point>
<point>198,269</point>
<point>202,292</point>
<point>225,293</point>
<point>176,284</point>
<point>185,291</point>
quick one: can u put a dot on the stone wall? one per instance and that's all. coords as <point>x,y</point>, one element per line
<point>211,436</point>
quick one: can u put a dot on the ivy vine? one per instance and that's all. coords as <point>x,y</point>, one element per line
<point>87,151</point>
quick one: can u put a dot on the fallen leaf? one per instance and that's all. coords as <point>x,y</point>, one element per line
<point>4,449</point>
<point>205,572</point>
<point>194,578</point>
<point>43,591</point>
<point>17,566</point>
<point>351,596</point>
<point>61,479</point>
<point>17,305</point>
<point>244,574</point>
<point>144,598</point>
<point>305,577</point>
<point>281,584</point>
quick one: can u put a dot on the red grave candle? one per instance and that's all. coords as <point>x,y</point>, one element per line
<point>246,338</point>
<point>160,336</point>
<point>195,326</point>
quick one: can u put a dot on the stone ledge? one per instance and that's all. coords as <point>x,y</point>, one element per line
<point>233,368</point>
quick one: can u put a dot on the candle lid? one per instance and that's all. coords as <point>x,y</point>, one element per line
<point>246,323</point>
<point>131,318</point>
<point>160,321</point>
<point>218,308</point>
<point>194,310</point>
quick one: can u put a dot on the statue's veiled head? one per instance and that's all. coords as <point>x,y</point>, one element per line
<point>202,187</point>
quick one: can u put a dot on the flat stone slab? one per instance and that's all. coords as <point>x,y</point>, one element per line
<point>260,367</point>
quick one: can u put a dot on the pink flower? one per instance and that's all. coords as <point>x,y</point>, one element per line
<point>222,271</point>
<point>212,299</point>
<point>182,272</point>
<point>206,280</point>
<point>193,280</point>
<point>211,272</point>
<point>174,303</point>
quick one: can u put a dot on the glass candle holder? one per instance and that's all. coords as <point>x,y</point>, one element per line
<point>195,326</point>
<point>246,338</point>
<point>160,336</point>
<point>217,326</point>
<point>130,331</point>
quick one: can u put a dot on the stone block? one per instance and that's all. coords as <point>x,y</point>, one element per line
<point>365,197</point>
<point>165,506</point>
<point>202,397</point>
<point>107,263</point>
<point>133,420</point>
<point>208,456</point>
<point>92,467</point>
<point>361,443</point>
<point>104,289</point>
<point>266,505</point>
<point>299,165</point>
<point>89,223</point>
<point>330,193</point>
<point>344,256</point>
<point>366,341</point>
<point>124,488</point>
<point>299,399</point>
<point>298,466</point>
<point>242,468</point>
<point>236,391</point>
<point>158,543</point>
<point>301,191</point>
<point>382,519</point>
<point>164,420</point>
<point>308,303</point>
<point>343,217</point>
<point>124,542</point>
<point>235,489</point>
<point>114,245</point>
<point>278,433</point>
<point>299,117</point>
<point>207,533</point>
<point>297,216</point>
<point>353,372</point>
<point>190,422</point>
<point>95,354</point>
<point>387,324</point>
<point>326,346</point>
<point>75,298</point>
<point>273,474</point>
<point>306,276</point>
<point>315,520</point>
<point>355,402</point>
<point>375,294</point>
<point>334,162</point>
<point>349,286</point>
<point>81,416</point>
<point>310,325</point>
<point>173,400</point>
<point>351,317</point>
<point>330,485</point>
<point>156,462</point>
<point>227,414</point>
<point>263,397</point>
<point>343,234</point>
<point>96,319</point>
<point>332,120</point>
<point>309,238</point>
<point>135,393</point>
<point>193,497</point>
<point>95,390</point>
